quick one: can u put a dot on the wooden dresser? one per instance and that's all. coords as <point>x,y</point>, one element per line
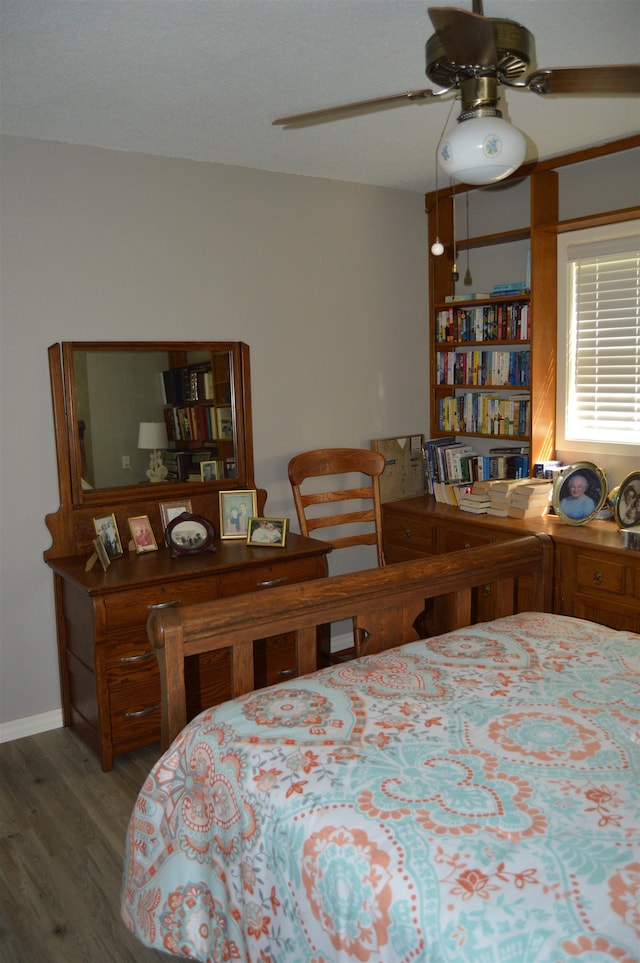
<point>595,577</point>
<point>109,672</point>
<point>102,394</point>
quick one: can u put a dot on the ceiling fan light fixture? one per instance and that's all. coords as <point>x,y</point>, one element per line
<point>482,150</point>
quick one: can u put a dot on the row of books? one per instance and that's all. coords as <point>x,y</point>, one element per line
<point>477,367</point>
<point>481,413</point>
<point>188,383</point>
<point>198,423</point>
<point>504,321</point>
<point>451,462</point>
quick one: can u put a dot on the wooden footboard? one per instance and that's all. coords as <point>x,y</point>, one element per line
<point>385,604</point>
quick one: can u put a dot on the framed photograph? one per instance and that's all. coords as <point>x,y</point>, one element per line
<point>107,529</point>
<point>101,552</point>
<point>627,507</point>
<point>579,492</point>
<point>212,470</point>
<point>236,508</point>
<point>171,510</point>
<point>142,534</point>
<point>267,531</point>
<point>189,535</point>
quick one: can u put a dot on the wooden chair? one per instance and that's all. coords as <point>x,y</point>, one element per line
<point>356,524</point>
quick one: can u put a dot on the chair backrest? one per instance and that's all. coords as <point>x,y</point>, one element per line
<point>325,462</point>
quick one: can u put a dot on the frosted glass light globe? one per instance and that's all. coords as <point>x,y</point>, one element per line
<point>437,248</point>
<point>481,150</point>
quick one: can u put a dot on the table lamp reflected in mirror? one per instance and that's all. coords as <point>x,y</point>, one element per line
<point>152,435</point>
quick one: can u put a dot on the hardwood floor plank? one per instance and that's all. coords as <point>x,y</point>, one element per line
<point>63,825</point>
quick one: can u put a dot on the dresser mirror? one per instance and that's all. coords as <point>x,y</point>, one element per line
<point>170,416</point>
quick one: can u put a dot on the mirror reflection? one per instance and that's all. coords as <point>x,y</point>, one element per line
<point>154,416</point>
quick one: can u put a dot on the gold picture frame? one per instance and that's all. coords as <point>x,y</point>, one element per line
<point>236,508</point>
<point>142,534</point>
<point>267,532</point>
<point>106,528</point>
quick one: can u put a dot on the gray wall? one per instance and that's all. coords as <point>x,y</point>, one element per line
<point>325,281</point>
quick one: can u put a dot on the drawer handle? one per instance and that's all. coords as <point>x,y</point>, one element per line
<point>407,533</point>
<point>141,712</point>
<point>597,578</point>
<point>274,581</point>
<point>467,545</point>
<point>138,658</point>
<point>286,673</point>
<point>165,605</point>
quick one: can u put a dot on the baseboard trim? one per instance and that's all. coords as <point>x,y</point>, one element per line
<point>31,725</point>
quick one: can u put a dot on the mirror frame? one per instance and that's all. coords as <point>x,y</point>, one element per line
<point>67,430</point>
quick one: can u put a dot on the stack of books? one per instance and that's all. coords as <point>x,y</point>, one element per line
<point>500,493</point>
<point>474,501</point>
<point>529,500</point>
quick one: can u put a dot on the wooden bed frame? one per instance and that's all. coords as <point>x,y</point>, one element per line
<point>389,606</point>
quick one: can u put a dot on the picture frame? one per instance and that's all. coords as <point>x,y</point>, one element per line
<point>171,510</point>
<point>106,528</point>
<point>212,470</point>
<point>142,534</point>
<point>236,508</point>
<point>101,552</point>
<point>579,492</point>
<point>189,534</point>
<point>627,507</point>
<point>267,532</point>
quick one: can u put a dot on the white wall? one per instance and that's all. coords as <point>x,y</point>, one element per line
<point>325,281</point>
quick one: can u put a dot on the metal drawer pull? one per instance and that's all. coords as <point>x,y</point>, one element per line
<point>141,712</point>
<point>274,581</point>
<point>138,658</point>
<point>407,533</point>
<point>286,673</point>
<point>597,577</point>
<point>165,605</point>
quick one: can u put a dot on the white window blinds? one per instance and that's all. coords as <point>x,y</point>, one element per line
<point>604,343</point>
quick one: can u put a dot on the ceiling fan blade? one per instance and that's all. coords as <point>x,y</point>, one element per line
<point>467,38</point>
<point>612,79</point>
<point>326,114</point>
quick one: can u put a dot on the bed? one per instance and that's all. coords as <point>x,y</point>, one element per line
<point>472,796</point>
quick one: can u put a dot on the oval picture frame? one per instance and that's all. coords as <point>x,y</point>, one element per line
<point>189,534</point>
<point>591,493</point>
<point>627,507</point>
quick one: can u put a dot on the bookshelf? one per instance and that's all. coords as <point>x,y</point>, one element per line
<point>492,359</point>
<point>198,417</point>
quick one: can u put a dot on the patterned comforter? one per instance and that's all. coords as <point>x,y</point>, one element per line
<point>472,797</point>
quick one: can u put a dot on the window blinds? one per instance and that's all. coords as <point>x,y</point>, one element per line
<point>604,363</point>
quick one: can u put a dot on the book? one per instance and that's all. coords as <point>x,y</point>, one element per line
<point>475,497</point>
<point>535,486</point>
<point>471,296</point>
<point>534,511</point>
<point>474,509</point>
<point>510,287</point>
<point>535,501</point>
<point>499,512</point>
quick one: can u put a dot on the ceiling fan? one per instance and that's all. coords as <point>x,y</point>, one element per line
<point>475,54</point>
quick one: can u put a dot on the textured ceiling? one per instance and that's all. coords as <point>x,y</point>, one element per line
<point>203,79</point>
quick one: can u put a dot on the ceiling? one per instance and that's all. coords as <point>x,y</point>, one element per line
<point>203,79</point>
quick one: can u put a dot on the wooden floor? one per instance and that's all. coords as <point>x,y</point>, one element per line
<point>63,824</point>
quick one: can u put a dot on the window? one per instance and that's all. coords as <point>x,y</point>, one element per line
<point>599,336</point>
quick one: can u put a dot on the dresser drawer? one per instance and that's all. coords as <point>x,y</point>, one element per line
<point>268,575</point>
<point>133,660</point>
<point>124,609</point>
<point>411,535</point>
<point>134,711</point>
<point>454,540</point>
<point>600,573</point>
